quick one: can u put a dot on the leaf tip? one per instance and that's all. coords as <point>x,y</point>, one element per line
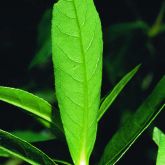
<point>138,67</point>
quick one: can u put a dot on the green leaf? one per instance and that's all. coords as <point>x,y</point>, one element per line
<point>157,26</point>
<point>23,150</point>
<point>43,54</point>
<point>110,98</point>
<point>33,105</point>
<point>77,58</point>
<point>13,161</point>
<point>47,94</point>
<point>3,153</point>
<point>44,27</point>
<point>61,162</point>
<point>27,101</point>
<point>159,139</point>
<point>43,40</point>
<point>32,137</point>
<point>134,126</point>
<point>117,30</point>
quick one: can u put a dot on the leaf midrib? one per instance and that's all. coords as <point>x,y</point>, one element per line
<point>85,84</point>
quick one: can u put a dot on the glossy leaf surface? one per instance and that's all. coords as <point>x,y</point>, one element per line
<point>159,139</point>
<point>134,126</point>
<point>27,101</point>
<point>77,58</point>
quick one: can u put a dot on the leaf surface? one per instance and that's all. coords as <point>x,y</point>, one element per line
<point>3,153</point>
<point>107,102</point>
<point>77,58</point>
<point>34,105</point>
<point>23,150</point>
<point>32,137</point>
<point>159,139</point>
<point>134,127</point>
<point>27,101</point>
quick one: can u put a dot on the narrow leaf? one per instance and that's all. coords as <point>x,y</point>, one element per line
<point>26,101</point>
<point>110,98</point>
<point>43,54</point>
<point>159,139</point>
<point>23,150</point>
<point>117,30</point>
<point>33,105</point>
<point>61,162</point>
<point>43,40</point>
<point>77,58</point>
<point>134,127</point>
<point>32,137</point>
<point>156,27</point>
<point>8,155</point>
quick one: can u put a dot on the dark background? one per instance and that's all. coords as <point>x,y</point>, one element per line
<point>18,45</point>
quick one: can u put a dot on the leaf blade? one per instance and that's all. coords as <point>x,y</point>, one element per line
<point>34,105</point>
<point>26,101</point>
<point>106,103</point>
<point>23,150</point>
<point>117,30</point>
<point>78,65</point>
<point>43,41</point>
<point>159,139</point>
<point>31,136</point>
<point>4,154</point>
<point>133,128</point>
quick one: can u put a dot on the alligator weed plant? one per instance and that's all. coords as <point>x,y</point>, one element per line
<point>77,59</point>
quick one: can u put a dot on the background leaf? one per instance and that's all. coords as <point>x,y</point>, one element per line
<point>31,136</point>
<point>117,30</point>
<point>106,103</point>
<point>134,126</point>
<point>77,57</point>
<point>43,40</point>
<point>23,150</point>
<point>159,139</point>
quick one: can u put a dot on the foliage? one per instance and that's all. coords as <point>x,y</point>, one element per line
<point>134,126</point>
<point>77,61</point>
<point>78,70</point>
<point>159,139</point>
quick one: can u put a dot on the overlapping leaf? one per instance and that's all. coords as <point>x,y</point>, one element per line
<point>16,147</point>
<point>32,104</point>
<point>77,58</point>
<point>31,136</point>
<point>134,127</point>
